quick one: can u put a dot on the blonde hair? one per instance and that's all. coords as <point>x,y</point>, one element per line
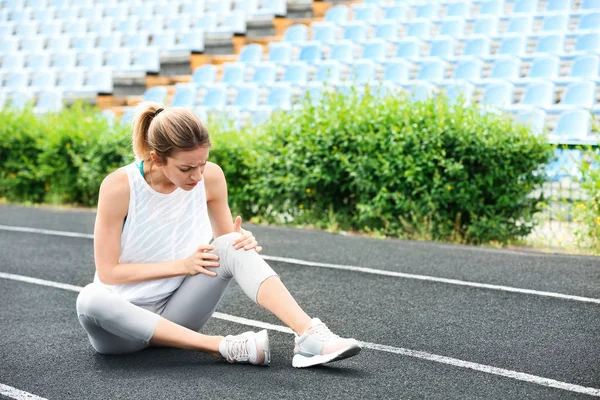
<point>171,130</point>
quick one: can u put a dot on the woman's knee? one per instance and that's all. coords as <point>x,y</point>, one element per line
<point>93,301</point>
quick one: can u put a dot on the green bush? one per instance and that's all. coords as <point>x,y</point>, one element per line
<point>369,163</point>
<point>415,170</point>
<point>59,158</point>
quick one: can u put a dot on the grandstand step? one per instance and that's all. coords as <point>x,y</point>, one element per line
<point>158,80</point>
<point>107,101</point>
<point>281,24</point>
<point>198,60</point>
<point>134,100</point>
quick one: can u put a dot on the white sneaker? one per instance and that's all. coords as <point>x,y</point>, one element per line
<point>249,347</point>
<point>318,345</point>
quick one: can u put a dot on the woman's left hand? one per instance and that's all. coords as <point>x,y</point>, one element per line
<point>247,240</point>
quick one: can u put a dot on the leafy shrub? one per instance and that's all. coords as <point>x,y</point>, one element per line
<point>416,170</point>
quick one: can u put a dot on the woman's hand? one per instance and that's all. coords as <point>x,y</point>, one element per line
<point>197,262</point>
<point>247,240</point>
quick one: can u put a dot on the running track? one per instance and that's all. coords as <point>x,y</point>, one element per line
<point>439,321</point>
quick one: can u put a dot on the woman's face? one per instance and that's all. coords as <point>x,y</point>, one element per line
<point>185,168</point>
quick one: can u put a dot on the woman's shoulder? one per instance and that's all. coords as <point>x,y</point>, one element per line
<point>115,186</point>
<point>214,180</point>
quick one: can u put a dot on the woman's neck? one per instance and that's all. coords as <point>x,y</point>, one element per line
<point>156,178</point>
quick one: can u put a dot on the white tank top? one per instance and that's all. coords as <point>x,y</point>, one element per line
<point>160,227</point>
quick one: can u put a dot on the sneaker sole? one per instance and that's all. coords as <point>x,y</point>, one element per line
<point>300,361</point>
<point>262,339</point>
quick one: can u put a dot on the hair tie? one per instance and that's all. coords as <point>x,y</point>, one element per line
<point>158,112</point>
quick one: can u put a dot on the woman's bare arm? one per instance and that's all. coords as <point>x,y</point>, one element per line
<point>113,204</point>
<point>216,200</point>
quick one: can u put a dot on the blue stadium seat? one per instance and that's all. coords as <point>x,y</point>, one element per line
<point>100,80</point>
<point>542,68</point>
<point>375,49</point>
<point>65,60</point>
<point>506,67</point>
<point>419,29</point>
<point>295,73</point>
<point>204,75</point>
<point>432,70</point>
<point>590,5</point>
<point>192,41</point>
<point>555,23</point>
<point>146,60</point>
<point>19,99</point>
<point>165,40</point>
<point>408,48</point>
<point>338,14</point>
<point>27,29</point>
<point>477,46</point>
<point>386,29</point>
<point>91,59</point>
<point>442,46</point>
<point>485,25</point>
<point>458,9</point>
<point>525,6</point>
<point>111,41</point>
<point>156,94</point>
<point>467,69</point>
<point>497,95</point>
<point>426,11</point>
<point>581,94</point>
<point>328,71</point>
<point>70,80</point>
<point>558,6</point>
<point>584,44</point>
<point>279,52</point>
<point>136,40</point>
<point>246,98</point>
<point>50,100</point>
<point>32,45</point>
<point>12,61</point>
<point>279,98</point>
<point>537,94</point>
<point>572,126</point>
<point>215,98</point>
<point>395,12</point>
<point>513,45</point>
<point>16,80</point>
<point>185,95</point>
<point>589,22</point>
<point>8,45</point>
<point>315,91</point>
<point>396,71</point>
<point>534,118</point>
<point>584,67</point>
<point>82,43</point>
<point>491,7</point>
<point>546,45</point>
<point>356,31</point>
<point>310,52</point>
<point>42,80</point>
<point>452,27</point>
<point>365,12</point>
<point>51,28</point>
<point>233,73</point>
<point>38,61</point>
<point>324,32</point>
<point>265,73</point>
<point>57,43</point>
<point>342,51</point>
<point>519,24</point>
<point>296,33</point>
<point>251,54</point>
<point>362,72</point>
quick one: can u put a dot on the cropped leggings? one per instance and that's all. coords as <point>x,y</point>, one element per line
<point>117,326</point>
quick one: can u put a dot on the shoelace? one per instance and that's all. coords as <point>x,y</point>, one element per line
<point>237,350</point>
<point>323,332</point>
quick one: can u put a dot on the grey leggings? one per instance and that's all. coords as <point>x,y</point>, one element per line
<point>116,326</point>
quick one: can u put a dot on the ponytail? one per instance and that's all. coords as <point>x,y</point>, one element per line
<point>141,129</point>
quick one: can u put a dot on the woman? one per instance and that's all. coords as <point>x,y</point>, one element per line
<point>158,280</point>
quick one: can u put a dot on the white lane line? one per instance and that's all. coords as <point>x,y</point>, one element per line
<point>17,394</point>
<point>520,376</point>
<point>364,270</point>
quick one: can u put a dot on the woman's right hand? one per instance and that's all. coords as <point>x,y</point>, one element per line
<point>197,262</point>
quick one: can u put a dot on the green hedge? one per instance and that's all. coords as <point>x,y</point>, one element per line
<point>369,163</point>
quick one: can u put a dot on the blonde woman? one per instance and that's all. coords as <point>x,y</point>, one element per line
<point>159,277</point>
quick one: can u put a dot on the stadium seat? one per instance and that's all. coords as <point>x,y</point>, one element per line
<point>295,73</point>
<point>426,11</point>
<point>534,118</point>
<point>111,41</point>
<point>459,90</point>
<point>296,33</point>
<point>546,45</point>
<point>396,12</point>
<point>421,91</point>
<point>584,44</point>
<point>513,45</point>
<point>386,30</point>
<point>165,40</point>
<point>204,75</point>
<point>157,94</point>
<point>185,95</point>
<point>452,27</point>
<point>396,71</point>
<point>375,49</point>
<point>442,46</point>
<point>497,95</point>
<point>542,68</point>
<point>365,12</point>
<point>233,73</point>
<point>583,67</point>
<point>458,9</point>
<point>572,127</point>
<point>485,25</point>
<point>432,70</point>
<point>246,98</point>
<point>362,72</point>
<point>356,31</point>
<point>418,29</point>
<point>265,73</point>
<point>16,80</point>
<point>279,98</point>
<point>558,6</point>
<point>408,48</point>
<point>555,23</point>
<point>539,94</point>
<point>477,46</point>
<point>251,54</point>
<point>215,98</point>
<point>328,71</point>
<point>42,80</point>
<point>100,80</point>
<point>342,51</point>
<point>279,52</point>
<point>491,7</point>
<point>83,43</point>
<point>310,52</point>
<point>49,101</point>
<point>581,94</point>
<point>19,99</point>
<point>467,69</point>
<point>519,24</point>
<point>119,59</point>
<point>324,32</point>
<point>506,67</point>
<point>65,60</point>
<point>590,5</point>
<point>70,80</point>
<point>91,59</point>
<point>338,14</point>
